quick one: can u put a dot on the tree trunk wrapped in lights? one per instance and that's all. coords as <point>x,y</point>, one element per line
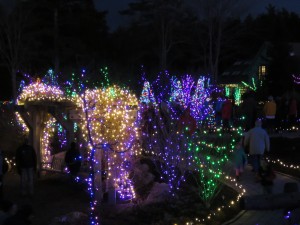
<point>110,127</point>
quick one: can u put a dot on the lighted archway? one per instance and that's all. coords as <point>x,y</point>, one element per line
<point>38,108</point>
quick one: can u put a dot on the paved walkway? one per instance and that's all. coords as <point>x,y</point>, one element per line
<point>264,217</point>
<point>54,196</point>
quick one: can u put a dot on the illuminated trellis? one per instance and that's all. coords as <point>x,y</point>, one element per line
<point>41,92</point>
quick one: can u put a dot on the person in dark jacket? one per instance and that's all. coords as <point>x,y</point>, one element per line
<point>218,111</point>
<point>73,159</point>
<point>249,111</point>
<point>226,114</point>
<point>26,165</point>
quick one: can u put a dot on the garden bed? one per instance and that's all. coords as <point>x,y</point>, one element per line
<point>185,208</point>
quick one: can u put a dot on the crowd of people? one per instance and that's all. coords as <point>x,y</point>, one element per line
<point>258,122</point>
<point>275,113</point>
<point>257,119</point>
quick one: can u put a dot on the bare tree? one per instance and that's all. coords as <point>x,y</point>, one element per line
<point>214,16</point>
<point>12,45</point>
<point>165,18</point>
<point>167,21</point>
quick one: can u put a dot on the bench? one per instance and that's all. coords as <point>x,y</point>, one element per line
<point>57,165</point>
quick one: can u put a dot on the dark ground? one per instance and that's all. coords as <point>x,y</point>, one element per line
<point>54,196</point>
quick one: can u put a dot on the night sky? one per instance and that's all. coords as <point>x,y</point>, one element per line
<point>114,20</point>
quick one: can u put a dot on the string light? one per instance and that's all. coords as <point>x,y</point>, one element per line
<point>224,205</point>
<point>252,85</point>
<point>281,163</point>
<point>296,79</point>
<point>38,92</point>
<point>48,132</point>
<point>237,96</point>
<point>111,120</point>
<point>147,95</point>
<point>111,116</point>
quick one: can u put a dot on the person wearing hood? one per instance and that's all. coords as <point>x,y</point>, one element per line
<point>259,142</point>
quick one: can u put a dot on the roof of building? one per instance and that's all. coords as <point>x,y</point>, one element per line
<point>243,70</point>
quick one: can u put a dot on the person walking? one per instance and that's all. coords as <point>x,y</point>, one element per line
<point>26,165</point>
<point>239,159</point>
<point>259,141</point>
<point>249,110</point>
<point>226,114</point>
<point>187,123</point>
<point>270,113</point>
<point>218,111</point>
<point>73,159</point>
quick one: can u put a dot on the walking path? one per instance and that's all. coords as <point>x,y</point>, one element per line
<point>55,195</point>
<point>264,217</point>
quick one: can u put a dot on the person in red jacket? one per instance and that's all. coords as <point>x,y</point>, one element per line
<point>226,114</point>
<point>186,122</point>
